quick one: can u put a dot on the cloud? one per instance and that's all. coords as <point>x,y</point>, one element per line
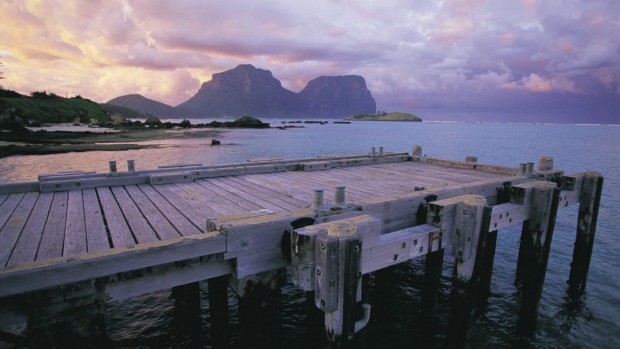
<point>417,54</point>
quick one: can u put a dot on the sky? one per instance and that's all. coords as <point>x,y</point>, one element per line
<point>471,60</point>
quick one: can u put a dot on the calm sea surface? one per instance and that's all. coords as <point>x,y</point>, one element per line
<point>593,321</point>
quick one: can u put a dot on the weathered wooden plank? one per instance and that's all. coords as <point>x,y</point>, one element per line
<point>196,215</point>
<point>176,218</point>
<point>365,183</point>
<point>399,211</point>
<point>291,183</point>
<point>238,201</point>
<point>399,246</point>
<point>382,182</point>
<point>54,231</point>
<point>219,172</point>
<point>140,228</point>
<point>271,168</point>
<point>26,248</point>
<point>75,228</point>
<point>296,195</point>
<point>216,223</point>
<point>9,188</point>
<point>275,198</point>
<point>95,182</point>
<point>589,204</point>
<point>261,233</point>
<point>167,178</point>
<point>225,195</point>
<point>60,271</point>
<point>250,196</point>
<point>6,210</point>
<point>3,197</point>
<point>505,170</point>
<point>508,214</point>
<point>204,197</point>
<point>11,231</point>
<point>153,281</point>
<point>251,182</point>
<point>255,263</point>
<point>156,219</point>
<point>96,234</point>
<point>120,234</point>
<point>313,180</point>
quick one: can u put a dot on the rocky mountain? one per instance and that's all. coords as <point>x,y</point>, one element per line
<point>246,90</point>
<point>240,91</point>
<point>337,96</point>
<point>144,105</point>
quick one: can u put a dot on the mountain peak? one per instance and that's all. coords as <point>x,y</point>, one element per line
<point>247,90</point>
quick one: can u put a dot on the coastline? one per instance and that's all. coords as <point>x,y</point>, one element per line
<point>64,141</point>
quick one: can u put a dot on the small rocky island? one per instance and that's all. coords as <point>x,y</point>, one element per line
<point>383,116</point>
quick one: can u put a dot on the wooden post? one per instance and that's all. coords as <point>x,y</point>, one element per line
<point>187,299</point>
<point>187,311</point>
<point>112,166</point>
<point>338,273</point>
<point>218,310</point>
<point>416,150</point>
<point>503,196</point>
<point>534,251</point>
<point>589,203</point>
<point>433,265</point>
<point>471,224</point>
<point>259,314</point>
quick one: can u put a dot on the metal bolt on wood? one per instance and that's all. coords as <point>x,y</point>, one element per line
<point>318,198</point>
<point>112,165</point>
<point>340,194</point>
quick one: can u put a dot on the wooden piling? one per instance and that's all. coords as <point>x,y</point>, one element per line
<point>534,252</point>
<point>471,225</point>
<point>433,266</point>
<point>590,200</point>
<point>218,310</point>
<point>484,289</point>
<point>187,298</point>
<point>259,315</point>
<point>338,273</point>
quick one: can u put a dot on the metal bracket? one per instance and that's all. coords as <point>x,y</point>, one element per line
<point>432,237</point>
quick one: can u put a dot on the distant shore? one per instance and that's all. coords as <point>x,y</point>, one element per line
<point>43,142</point>
<point>394,116</point>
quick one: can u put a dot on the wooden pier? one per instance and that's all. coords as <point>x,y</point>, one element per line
<point>70,242</point>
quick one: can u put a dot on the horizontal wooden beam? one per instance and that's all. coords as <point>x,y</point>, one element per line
<point>59,271</point>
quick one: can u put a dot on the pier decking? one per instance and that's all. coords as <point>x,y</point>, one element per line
<point>122,234</point>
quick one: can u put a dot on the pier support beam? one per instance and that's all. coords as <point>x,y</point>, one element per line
<point>589,203</point>
<point>471,225</point>
<point>465,220</point>
<point>259,309</point>
<point>534,250</point>
<point>503,196</point>
<point>338,274</point>
<point>218,310</point>
<point>433,265</point>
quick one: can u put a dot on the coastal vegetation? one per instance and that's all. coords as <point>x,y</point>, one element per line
<point>384,116</point>
<point>22,118</point>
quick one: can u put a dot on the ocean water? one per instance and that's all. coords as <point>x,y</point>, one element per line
<point>592,321</point>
